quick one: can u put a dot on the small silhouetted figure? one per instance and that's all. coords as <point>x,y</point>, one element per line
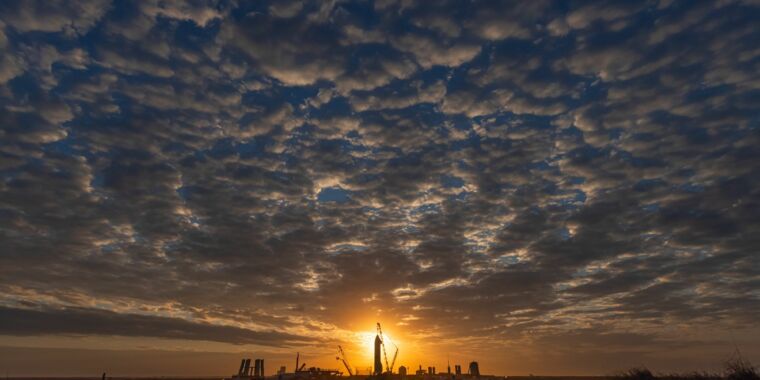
<point>103,377</point>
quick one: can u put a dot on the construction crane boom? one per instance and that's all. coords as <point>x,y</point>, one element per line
<point>382,341</point>
<point>395,355</point>
<point>342,358</point>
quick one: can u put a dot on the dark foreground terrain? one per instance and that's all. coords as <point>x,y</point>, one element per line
<point>733,370</point>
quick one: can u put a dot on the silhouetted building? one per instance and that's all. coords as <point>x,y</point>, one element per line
<point>378,363</point>
<point>402,371</point>
<point>246,372</point>
<point>258,368</point>
<point>458,370</point>
<point>474,369</point>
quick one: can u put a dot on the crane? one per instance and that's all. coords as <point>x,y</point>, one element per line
<point>382,341</point>
<point>342,357</point>
<point>395,355</point>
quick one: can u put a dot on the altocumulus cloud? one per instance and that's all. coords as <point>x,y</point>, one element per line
<point>496,174</point>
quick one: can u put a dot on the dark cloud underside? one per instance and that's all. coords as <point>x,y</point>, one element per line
<point>98,322</point>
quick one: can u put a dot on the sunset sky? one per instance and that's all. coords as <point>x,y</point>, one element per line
<point>547,187</point>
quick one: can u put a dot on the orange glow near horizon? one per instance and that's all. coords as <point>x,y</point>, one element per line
<point>368,345</point>
<point>360,350</point>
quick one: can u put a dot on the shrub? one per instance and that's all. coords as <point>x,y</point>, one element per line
<point>740,369</point>
<point>639,373</point>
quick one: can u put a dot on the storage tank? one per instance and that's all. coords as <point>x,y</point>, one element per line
<point>474,369</point>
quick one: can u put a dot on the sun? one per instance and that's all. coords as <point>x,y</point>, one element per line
<point>367,344</point>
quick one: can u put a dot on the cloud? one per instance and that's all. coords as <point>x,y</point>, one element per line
<point>492,23</point>
<point>10,67</point>
<point>304,52</point>
<point>286,9</point>
<point>416,93</point>
<point>99,322</point>
<point>375,71</point>
<point>201,14</point>
<point>430,52</point>
<point>53,16</point>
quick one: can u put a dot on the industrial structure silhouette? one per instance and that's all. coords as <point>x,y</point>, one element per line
<point>382,368</point>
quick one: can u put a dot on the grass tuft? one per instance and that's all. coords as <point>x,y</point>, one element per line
<point>736,368</point>
<point>638,373</point>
